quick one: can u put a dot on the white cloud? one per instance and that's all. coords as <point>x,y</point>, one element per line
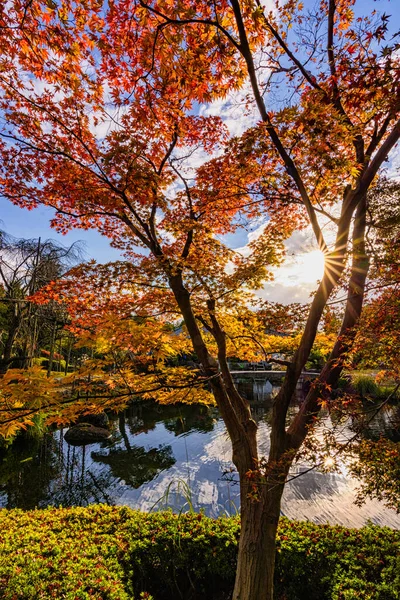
<point>286,294</point>
<point>233,111</point>
<point>393,171</point>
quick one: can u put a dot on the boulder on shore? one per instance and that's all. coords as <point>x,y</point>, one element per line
<point>86,433</point>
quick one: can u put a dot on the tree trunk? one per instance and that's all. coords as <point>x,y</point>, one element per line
<point>8,345</point>
<point>60,352</point>
<point>68,356</point>
<point>52,348</point>
<point>257,544</point>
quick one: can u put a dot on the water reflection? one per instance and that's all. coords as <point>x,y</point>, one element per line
<point>386,421</point>
<point>257,389</point>
<point>136,465</point>
<point>154,449</point>
<point>27,471</point>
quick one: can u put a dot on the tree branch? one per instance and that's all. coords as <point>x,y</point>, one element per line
<point>290,166</point>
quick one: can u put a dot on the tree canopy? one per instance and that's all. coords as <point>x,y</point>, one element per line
<point>107,117</point>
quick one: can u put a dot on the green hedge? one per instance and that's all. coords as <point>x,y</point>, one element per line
<point>115,553</point>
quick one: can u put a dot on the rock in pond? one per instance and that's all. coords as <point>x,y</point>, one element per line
<point>98,420</point>
<point>86,433</point>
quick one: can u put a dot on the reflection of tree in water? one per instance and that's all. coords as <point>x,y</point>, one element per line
<point>79,485</point>
<point>49,471</point>
<point>136,465</point>
<point>386,423</point>
<point>37,473</point>
<point>202,419</point>
<point>26,471</point>
<point>177,418</point>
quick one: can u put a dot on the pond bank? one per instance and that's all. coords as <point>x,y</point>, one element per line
<point>115,553</point>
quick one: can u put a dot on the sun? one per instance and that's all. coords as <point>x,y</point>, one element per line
<point>310,267</point>
<point>301,271</point>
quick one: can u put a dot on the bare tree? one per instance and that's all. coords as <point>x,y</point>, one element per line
<point>25,267</point>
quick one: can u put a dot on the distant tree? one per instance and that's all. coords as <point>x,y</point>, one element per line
<point>25,267</point>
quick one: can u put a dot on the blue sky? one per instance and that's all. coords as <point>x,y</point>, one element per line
<point>23,223</point>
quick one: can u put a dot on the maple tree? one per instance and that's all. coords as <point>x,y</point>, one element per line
<point>102,121</point>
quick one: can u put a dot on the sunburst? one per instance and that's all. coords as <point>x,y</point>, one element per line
<point>310,266</point>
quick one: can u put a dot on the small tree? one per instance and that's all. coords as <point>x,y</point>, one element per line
<point>325,88</point>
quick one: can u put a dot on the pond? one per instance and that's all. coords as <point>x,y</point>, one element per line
<point>177,456</point>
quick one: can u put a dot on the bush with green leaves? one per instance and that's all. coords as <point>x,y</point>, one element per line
<point>62,553</point>
<point>115,553</point>
<point>366,385</point>
<point>43,361</point>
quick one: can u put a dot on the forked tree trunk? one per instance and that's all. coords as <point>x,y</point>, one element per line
<point>260,516</point>
<point>259,519</point>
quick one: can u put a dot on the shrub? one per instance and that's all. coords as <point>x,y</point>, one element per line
<point>343,382</point>
<point>61,553</point>
<point>316,360</point>
<point>365,386</point>
<point>115,553</point>
<point>318,562</point>
<point>384,391</point>
<point>43,361</point>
